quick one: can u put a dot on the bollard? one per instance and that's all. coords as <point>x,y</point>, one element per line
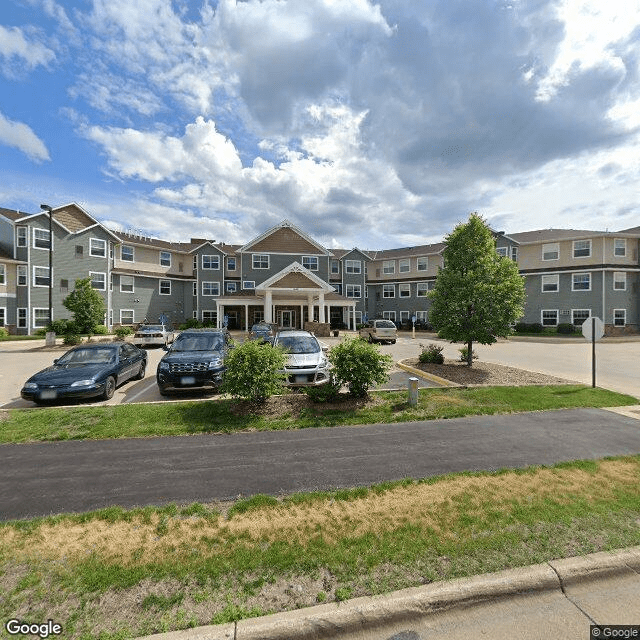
<point>50,339</point>
<point>413,392</point>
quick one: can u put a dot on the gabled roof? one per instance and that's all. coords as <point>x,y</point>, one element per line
<point>295,276</point>
<point>11,214</point>
<point>408,252</point>
<point>341,253</point>
<point>284,238</point>
<point>547,235</point>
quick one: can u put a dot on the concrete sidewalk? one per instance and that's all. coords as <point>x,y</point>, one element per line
<point>558,600</point>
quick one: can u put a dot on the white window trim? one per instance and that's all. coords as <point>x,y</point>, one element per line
<point>402,288</point>
<point>210,282</point>
<point>34,239</point>
<point>389,315</point>
<point>25,272</point>
<point>104,279</point>
<point>195,263</point>
<point>354,288</point>
<point>133,284</point>
<point>549,250</point>
<point>581,273</point>
<point>235,263</point>
<point>574,249</point>
<point>311,258</point>
<point>624,280</point>
<point>160,282</point>
<point>574,310</point>
<point>405,262</point>
<point>557,282</point>
<point>3,316</point>
<point>335,263</point>
<point>252,282</point>
<point>422,315</point>
<point>25,311</point>
<point>385,289</point>
<point>422,289</point>
<point>557,312</point>
<point>3,274</point>
<point>43,286</point>
<point>133,320</point>
<point>353,267</point>
<point>622,255</point>
<point>26,237</point>
<point>46,310</point>
<point>514,254</point>
<point>231,287</point>
<point>624,311</point>
<point>260,255</point>
<point>97,241</point>
<point>502,251</point>
<point>388,267</point>
<point>425,262</point>
<point>211,256</point>
<point>195,288</point>
<point>170,259</point>
<point>133,253</point>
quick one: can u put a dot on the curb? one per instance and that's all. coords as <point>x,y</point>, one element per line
<point>427,376</point>
<point>336,619</point>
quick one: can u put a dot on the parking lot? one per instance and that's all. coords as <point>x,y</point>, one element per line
<point>617,365</point>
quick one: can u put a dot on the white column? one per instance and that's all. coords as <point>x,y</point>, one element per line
<point>310,308</point>
<point>302,316</point>
<point>268,315</point>
<point>321,316</point>
<point>220,317</point>
<point>246,316</point>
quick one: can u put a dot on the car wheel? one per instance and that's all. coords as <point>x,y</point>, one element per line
<point>393,342</point>
<point>141,371</point>
<point>109,388</point>
<point>370,338</point>
<point>163,391</point>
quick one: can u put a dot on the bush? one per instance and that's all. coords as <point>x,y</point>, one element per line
<point>521,327</point>
<point>431,353</point>
<point>42,332</point>
<point>191,323</point>
<point>62,327</point>
<point>566,328</point>
<point>324,393</point>
<point>359,365</point>
<point>464,352</point>
<point>101,330</point>
<point>123,332</point>
<point>254,371</point>
<point>71,339</point>
<point>4,334</point>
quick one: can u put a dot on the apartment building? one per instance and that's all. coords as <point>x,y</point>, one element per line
<point>287,277</point>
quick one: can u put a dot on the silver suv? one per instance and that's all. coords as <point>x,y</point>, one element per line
<point>379,331</point>
<point>307,363</point>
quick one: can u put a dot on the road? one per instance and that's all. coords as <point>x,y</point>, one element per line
<point>43,478</point>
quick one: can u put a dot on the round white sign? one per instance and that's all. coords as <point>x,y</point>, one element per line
<point>588,325</point>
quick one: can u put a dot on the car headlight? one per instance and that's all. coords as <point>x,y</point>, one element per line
<point>82,383</point>
<point>215,363</point>
<point>164,366</point>
<point>30,385</point>
<point>323,363</point>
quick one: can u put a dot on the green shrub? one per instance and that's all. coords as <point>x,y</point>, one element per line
<point>566,328</point>
<point>464,353</point>
<point>101,330</point>
<point>62,327</point>
<point>123,332</point>
<point>521,327</point>
<point>359,365</point>
<point>254,371</point>
<point>191,323</point>
<point>71,339</point>
<point>4,334</point>
<point>431,353</point>
<point>324,393</point>
<point>40,332</point>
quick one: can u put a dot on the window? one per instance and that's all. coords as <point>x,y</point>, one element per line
<point>404,266</point>
<point>310,262</point>
<point>388,291</point>
<point>97,248</point>
<point>619,317</point>
<point>126,316</point>
<point>620,248</point>
<point>40,318</point>
<point>22,275</point>
<point>514,254</point>
<point>354,291</point>
<point>581,248</point>
<point>549,317</point>
<point>165,287</point>
<point>98,280</point>
<point>353,266</point>
<point>389,266</point>
<point>79,251</point>
<point>40,276</point>
<point>3,274</point>
<point>335,266</point>
<point>231,264</point>
<point>620,280</point>
<point>231,287</point>
<point>389,315</point>
<point>195,288</point>
<point>366,291</point>
<point>550,251</point>
<point>126,253</point>
<point>195,263</point>
<point>550,283</point>
<point>260,261</point>
<point>210,317</point>
<point>423,264</point>
<point>581,282</point>
<point>41,239</point>
<point>3,316</point>
<point>405,290</point>
<point>338,287</point>
<point>422,316</point>
<point>22,318</point>
<point>210,288</point>
<point>249,284</point>
<point>22,236</point>
<point>501,251</point>
<point>578,316</point>
<point>210,262</point>
<point>423,289</point>
<point>404,316</point>
<point>126,284</point>
<point>165,258</point>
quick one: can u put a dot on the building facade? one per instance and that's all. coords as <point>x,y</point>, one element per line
<point>286,277</point>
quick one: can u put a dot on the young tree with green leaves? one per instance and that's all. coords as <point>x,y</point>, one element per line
<point>478,294</point>
<point>86,305</point>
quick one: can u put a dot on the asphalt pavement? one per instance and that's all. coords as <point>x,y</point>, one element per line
<point>75,476</point>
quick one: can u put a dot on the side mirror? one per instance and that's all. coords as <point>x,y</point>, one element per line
<point>165,347</point>
<point>56,361</point>
<point>325,349</point>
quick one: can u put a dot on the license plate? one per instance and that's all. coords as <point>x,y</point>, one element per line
<point>48,394</point>
<point>187,380</point>
<point>300,379</point>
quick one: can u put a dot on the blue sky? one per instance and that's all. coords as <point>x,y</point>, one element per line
<point>367,124</point>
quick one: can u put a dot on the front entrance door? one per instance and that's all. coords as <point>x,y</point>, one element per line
<point>288,319</point>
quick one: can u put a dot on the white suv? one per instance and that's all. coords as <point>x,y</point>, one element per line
<point>307,364</point>
<point>379,331</point>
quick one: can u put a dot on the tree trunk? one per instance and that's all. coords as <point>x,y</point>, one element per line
<point>470,353</point>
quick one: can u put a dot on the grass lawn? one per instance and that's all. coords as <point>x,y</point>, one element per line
<point>116,574</point>
<point>294,411</point>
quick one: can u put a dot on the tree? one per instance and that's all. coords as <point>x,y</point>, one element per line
<point>478,294</point>
<point>86,305</point>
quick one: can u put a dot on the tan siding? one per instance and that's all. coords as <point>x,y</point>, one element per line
<point>148,259</point>
<point>296,280</point>
<point>73,219</point>
<point>285,241</point>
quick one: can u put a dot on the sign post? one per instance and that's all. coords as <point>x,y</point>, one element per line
<point>593,329</point>
<point>413,332</point>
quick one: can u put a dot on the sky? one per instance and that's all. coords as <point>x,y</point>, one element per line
<point>371,124</point>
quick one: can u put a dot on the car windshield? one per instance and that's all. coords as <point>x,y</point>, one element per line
<point>197,343</point>
<point>88,356</point>
<point>152,327</point>
<point>299,344</point>
<point>385,324</point>
<point>261,327</point>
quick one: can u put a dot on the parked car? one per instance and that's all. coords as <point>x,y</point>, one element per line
<point>86,371</point>
<point>263,330</point>
<point>307,363</point>
<point>194,360</point>
<point>379,331</point>
<point>153,334</point>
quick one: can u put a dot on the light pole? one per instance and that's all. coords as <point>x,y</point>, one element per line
<point>46,207</point>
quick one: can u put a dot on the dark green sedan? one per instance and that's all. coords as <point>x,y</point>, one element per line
<point>87,371</point>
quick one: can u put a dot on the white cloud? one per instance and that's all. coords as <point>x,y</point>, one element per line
<point>21,137</point>
<point>14,44</point>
